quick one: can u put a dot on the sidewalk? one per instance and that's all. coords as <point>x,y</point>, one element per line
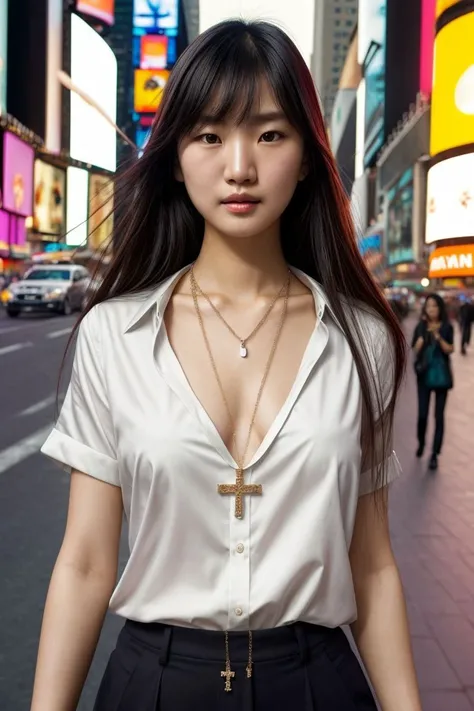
<point>432,522</point>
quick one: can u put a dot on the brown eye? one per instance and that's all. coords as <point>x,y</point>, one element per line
<point>210,138</point>
<point>271,136</point>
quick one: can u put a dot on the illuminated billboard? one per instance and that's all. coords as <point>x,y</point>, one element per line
<point>371,52</point>
<point>94,71</point>
<point>101,203</point>
<point>452,106</point>
<point>155,14</point>
<point>76,211</point>
<point>153,51</point>
<point>454,261</point>
<point>427,37</point>
<point>442,5</point>
<point>450,199</point>
<point>399,229</point>
<point>149,85</point>
<point>18,162</point>
<point>49,199</point>
<point>3,55</point>
<point>100,9</point>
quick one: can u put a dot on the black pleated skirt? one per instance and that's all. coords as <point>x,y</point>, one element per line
<point>300,667</point>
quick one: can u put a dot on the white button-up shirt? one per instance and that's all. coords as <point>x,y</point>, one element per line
<point>131,419</point>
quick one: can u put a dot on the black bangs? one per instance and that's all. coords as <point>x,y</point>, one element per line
<point>224,77</point>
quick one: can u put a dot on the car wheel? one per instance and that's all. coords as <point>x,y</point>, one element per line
<point>67,308</point>
<point>13,314</point>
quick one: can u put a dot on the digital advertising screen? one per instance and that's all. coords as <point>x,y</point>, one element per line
<point>49,199</point>
<point>101,203</point>
<point>450,199</point>
<point>100,9</point>
<point>3,55</point>
<point>18,162</point>
<point>452,102</point>
<point>76,210</point>
<point>153,51</point>
<point>371,53</point>
<point>399,227</point>
<point>94,70</point>
<point>427,37</point>
<point>442,5</point>
<point>149,85</point>
<point>454,261</point>
<point>155,14</point>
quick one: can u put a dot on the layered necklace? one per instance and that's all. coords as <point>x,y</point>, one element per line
<point>240,489</point>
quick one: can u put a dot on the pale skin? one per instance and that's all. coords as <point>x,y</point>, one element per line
<point>433,323</point>
<point>241,267</point>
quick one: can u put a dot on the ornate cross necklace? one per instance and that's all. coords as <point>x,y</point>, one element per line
<point>243,350</point>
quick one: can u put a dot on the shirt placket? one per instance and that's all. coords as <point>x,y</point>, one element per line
<point>239,567</point>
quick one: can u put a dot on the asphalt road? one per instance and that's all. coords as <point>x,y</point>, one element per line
<point>432,521</point>
<point>33,501</point>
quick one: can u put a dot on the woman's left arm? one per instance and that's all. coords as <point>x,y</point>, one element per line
<point>381,631</point>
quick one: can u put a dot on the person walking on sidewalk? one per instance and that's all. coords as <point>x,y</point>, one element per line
<point>432,342</point>
<point>466,319</point>
<point>233,391</point>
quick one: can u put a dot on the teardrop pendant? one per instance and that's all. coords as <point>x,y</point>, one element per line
<point>243,350</point>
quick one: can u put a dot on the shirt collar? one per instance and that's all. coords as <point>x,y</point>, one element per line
<point>158,299</point>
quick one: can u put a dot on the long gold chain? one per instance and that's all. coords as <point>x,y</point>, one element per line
<point>243,341</point>
<point>241,459</point>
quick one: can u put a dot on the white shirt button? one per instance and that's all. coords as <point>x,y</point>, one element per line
<point>238,611</point>
<point>240,548</point>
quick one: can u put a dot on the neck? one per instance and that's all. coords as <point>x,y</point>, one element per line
<point>241,269</point>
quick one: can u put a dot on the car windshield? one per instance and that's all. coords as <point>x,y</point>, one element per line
<point>60,274</point>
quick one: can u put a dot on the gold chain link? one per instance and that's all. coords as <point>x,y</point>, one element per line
<point>241,459</point>
<point>228,674</point>
<point>265,316</point>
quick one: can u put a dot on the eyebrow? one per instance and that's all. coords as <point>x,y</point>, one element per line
<point>254,119</point>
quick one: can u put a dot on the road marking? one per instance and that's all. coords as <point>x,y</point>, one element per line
<point>23,449</point>
<point>57,334</point>
<point>14,347</point>
<point>9,330</point>
<point>37,407</point>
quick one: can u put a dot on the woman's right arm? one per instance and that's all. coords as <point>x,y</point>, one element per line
<point>81,586</point>
<point>417,340</point>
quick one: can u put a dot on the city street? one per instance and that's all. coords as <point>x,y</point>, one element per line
<point>432,521</point>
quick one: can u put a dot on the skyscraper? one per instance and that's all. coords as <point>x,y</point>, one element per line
<point>335,21</point>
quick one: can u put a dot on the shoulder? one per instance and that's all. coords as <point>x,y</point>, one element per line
<point>114,315</point>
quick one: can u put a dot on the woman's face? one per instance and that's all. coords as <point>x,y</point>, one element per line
<point>432,310</point>
<point>259,161</point>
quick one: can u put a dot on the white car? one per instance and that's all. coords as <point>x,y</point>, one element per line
<point>54,288</point>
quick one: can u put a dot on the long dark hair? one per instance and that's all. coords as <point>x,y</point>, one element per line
<point>159,231</point>
<point>440,302</point>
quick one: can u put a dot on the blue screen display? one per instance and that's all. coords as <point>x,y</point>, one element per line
<point>155,14</point>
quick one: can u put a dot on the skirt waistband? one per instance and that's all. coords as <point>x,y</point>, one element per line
<point>165,640</point>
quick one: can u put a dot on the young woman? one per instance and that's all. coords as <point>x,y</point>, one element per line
<point>233,393</point>
<point>432,342</point>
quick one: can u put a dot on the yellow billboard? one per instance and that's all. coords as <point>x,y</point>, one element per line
<point>452,102</point>
<point>149,85</point>
<point>442,5</point>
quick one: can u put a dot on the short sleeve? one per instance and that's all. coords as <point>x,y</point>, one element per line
<point>449,334</point>
<point>416,335</point>
<point>83,437</point>
<point>381,354</point>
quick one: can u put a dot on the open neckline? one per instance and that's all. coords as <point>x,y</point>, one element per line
<point>176,378</point>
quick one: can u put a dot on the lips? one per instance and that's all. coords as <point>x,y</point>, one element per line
<point>242,198</point>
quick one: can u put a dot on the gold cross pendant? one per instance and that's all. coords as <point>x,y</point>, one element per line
<point>239,489</point>
<point>228,674</point>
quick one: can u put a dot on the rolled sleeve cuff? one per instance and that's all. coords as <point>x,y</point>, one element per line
<point>71,454</point>
<point>392,471</point>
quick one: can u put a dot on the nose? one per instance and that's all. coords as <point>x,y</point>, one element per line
<point>240,168</point>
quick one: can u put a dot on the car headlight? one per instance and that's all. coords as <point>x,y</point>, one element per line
<point>8,295</point>
<point>54,294</point>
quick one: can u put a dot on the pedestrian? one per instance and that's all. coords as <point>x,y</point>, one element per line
<point>432,342</point>
<point>233,392</point>
<point>466,317</point>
